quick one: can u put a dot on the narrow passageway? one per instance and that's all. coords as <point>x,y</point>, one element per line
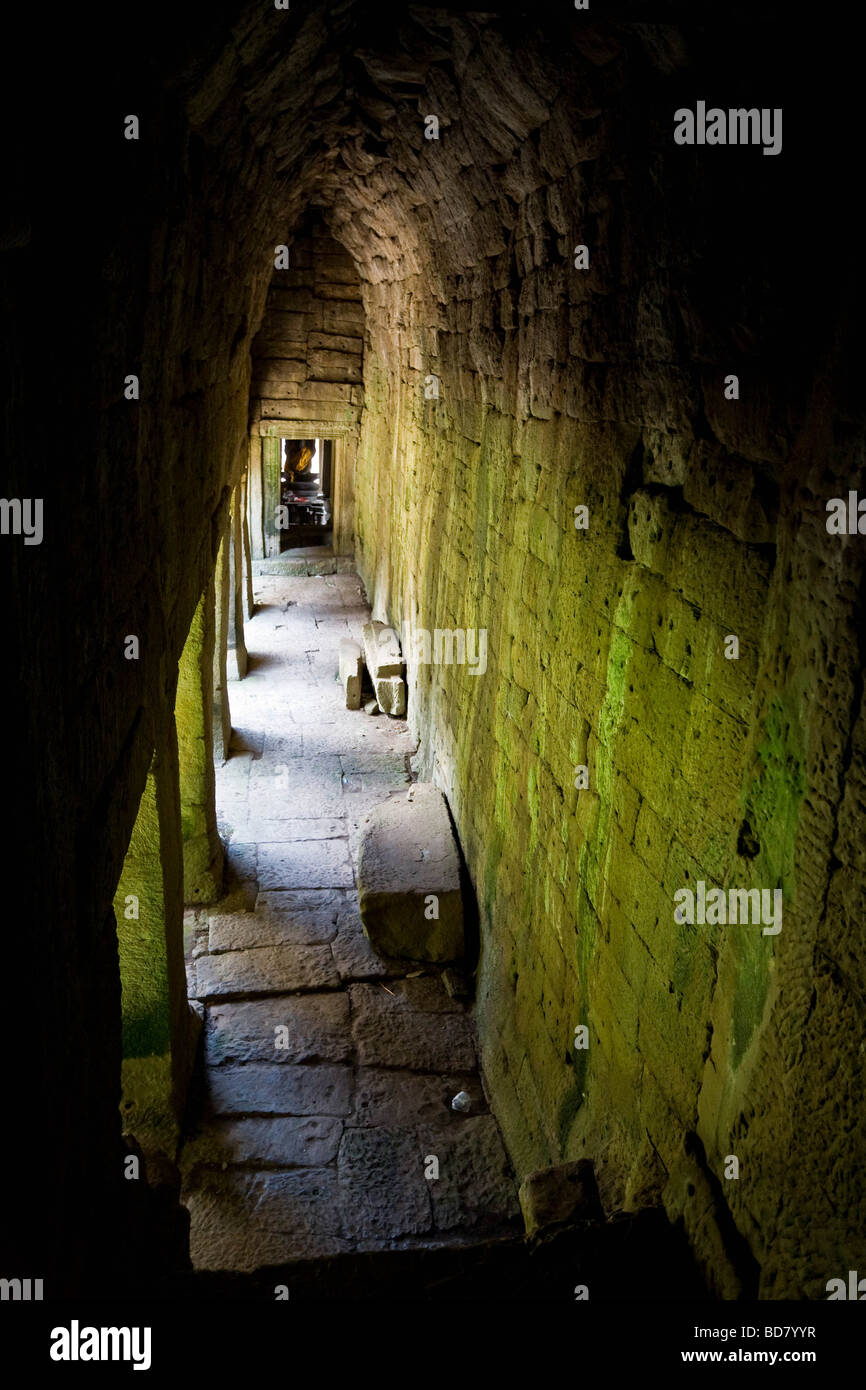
<point>329,1073</point>
<point>488,322</point>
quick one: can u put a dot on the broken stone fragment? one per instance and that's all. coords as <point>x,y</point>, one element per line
<point>409,879</point>
<point>350,672</point>
<point>372,707</point>
<point>382,651</point>
<point>391,695</point>
<point>555,1197</point>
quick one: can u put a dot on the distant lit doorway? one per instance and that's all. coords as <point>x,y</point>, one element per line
<point>306,507</point>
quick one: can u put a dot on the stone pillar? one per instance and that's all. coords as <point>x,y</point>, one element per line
<point>222,723</point>
<point>159,1028</point>
<point>256,501</point>
<point>237,649</point>
<point>271,449</point>
<point>343,493</point>
<point>249,599</point>
<point>194,718</point>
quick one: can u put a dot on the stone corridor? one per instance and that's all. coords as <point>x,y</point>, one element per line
<point>319,1146</point>
<point>572,405</point>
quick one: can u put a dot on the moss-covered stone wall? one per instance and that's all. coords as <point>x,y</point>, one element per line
<point>505,388</point>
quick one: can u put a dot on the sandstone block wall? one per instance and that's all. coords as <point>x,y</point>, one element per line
<point>308,353</point>
<point>557,388</point>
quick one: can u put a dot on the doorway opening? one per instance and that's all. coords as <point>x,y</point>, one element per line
<point>306,493</point>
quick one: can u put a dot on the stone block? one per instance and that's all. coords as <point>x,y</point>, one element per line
<point>382,1188</point>
<point>382,651</point>
<point>475,1187</point>
<point>296,1216</point>
<point>286,1029</point>
<point>391,695</point>
<point>559,1196</point>
<point>391,1096</point>
<point>257,1088</point>
<point>266,970</point>
<point>409,878</point>
<point>389,1032</point>
<point>350,672</point>
<point>306,864</point>
<point>272,1141</point>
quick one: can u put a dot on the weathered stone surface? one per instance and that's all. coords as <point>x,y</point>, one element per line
<point>393,1097</point>
<point>296,1216</point>
<point>317,1030</point>
<point>391,695</point>
<point>272,924</point>
<point>308,352</point>
<point>388,1031</point>
<point>263,830</point>
<point>382,651</point>
<point>559,1196</point>
<point>265,970</point>
<point>241,930</point>
<point>476,1185</point>
<point>350,672</point>
<point>383,1192</point>
<point>305,864</point>
<point>275,1141</point>
<point>353,955</point>
<point>408,868</point>
<point>262,1089</point>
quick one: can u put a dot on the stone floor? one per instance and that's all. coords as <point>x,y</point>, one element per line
<point>328,1072</point>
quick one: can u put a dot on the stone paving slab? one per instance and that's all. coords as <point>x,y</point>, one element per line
<point>283,747</point>
<point>317,1030</point>
<point>376,785</point>
<point>275,798</point>
<point>381,761</point>
<point>266,970</point>
<point>231,1211</point>
<point>383,1192</point>
<point>388,1032</point>
<point>304,1205</point>
<point>316,771</point>
<point>259,1088</point>
<point>272,924</point>
<point>274,1141</point>
<point>305,864</point>
<point>366,733</point>
<point>390,1097</point>
<point>475,1184</point>
<point>263,830</point>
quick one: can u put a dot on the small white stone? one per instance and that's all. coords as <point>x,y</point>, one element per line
<point>462,1102</point>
